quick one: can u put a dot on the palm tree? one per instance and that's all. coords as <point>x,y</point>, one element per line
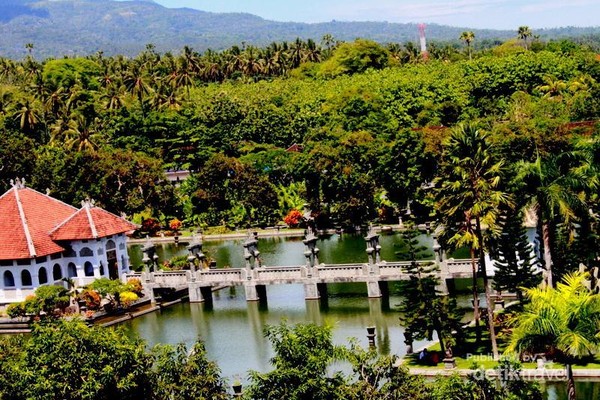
<point>6,101</point>
<point>182,76</point>
<point>113,98</point>
<point>251,64</point>
<point>313,53</point>
<point>28,114</point>
<point>83,134</point>
<point>29,47</point>
<point>555,190</point>
<point>410,54</point>
<point>553,88</point>
<point>297,51</point>
<point>562,322</point>
<point>329,43</point>
<point>468,37</point>
<point>524,33</point>
<point>469,197</point>
<point>136,83</point>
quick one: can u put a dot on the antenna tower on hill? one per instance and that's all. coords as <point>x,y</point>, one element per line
<point>424,52</point>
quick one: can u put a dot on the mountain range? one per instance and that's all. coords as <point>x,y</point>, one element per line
<point>80,27</point>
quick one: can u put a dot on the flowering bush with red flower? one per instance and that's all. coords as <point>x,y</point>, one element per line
<point>175,224</point>
<point>150,225</point>
<point>293,218</point>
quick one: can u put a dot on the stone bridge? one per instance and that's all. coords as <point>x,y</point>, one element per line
<point>314,275</point>
<point>200,283</point>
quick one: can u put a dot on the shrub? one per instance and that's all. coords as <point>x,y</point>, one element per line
<point>91,298</point>
<point>127,298</point>
<point>293,218</point>
<point>175,224</point>
<point>136,286</point>
<point>15,310</point>
<point>151,226</point>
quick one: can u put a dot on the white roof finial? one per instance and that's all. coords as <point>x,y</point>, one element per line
<point>18,183</point>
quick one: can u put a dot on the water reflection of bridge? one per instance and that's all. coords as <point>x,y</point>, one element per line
<point>315,276</point>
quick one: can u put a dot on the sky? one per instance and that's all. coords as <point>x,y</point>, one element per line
<point>493,14</point>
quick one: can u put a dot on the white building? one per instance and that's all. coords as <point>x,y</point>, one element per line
<point>43,240</point>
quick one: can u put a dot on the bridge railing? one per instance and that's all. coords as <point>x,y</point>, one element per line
<point>172,278</point>
<point>211,277</point>
<point>341,270</point>
<point>277,273</point>
<point>459,267</point>
<point>220,275</point>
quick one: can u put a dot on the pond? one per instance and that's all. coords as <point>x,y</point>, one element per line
<point>232,329</point>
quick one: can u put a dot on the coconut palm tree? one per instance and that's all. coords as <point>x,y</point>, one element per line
<point>83,134</point>
<point>468,37</point>
<point>553,88</point>
<point>28,114</point>
<point>469,196</point>
<point>113,98</point>
<point>524,33</point>
<point>136,81</point>
<point>555,189</point>
<point>297,52</point>
<point>562,322</point>
<point>29,47</point>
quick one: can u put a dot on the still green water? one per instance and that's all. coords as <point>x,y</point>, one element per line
<point>232,329</point>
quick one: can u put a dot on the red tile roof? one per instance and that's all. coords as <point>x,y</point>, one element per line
<point>90,223</point>
<point>32,222</point>
<point>26,217</point>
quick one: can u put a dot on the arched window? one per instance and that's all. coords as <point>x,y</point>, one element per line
<point>26,278</point>
<point>43,276</point>
<point>9,279</point>
<point>86,252</point>
<point>88,269</point>
<point>123,265</point>
<point>56,272</point>
<point>71,270</point>
<point>101,268</point>
<point>110,245</point>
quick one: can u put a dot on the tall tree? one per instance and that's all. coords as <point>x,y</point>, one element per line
<point>514,257</point>
<point>136,81</point>
<point>555,188</point>
<point>469,196</point>
<point>524,33</point>
<point>302,356</point>
<point>425,310</point>
<point>468,37</point>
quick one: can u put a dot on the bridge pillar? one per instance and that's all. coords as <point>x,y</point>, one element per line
<point>322,288</point>
<point>195,294</point>
<point>255,292</point>
<point>373,289</point>
<point>311,291</point>
<point>149,291</point>
<point>199,294</point>
<point>442,287</point>
<point>206,293</point>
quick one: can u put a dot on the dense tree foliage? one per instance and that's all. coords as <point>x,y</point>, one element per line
<point>304,352</point>
<point>561,322</point>
<point>354,129</point>
<point>69,360</point>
